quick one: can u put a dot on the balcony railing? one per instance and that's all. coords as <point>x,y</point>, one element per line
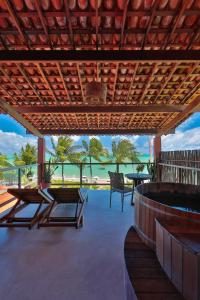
<point>73,174</point>
<point>19,176</point>
<point>66,174</point>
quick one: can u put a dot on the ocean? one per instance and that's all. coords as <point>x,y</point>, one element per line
<point>100,171</point>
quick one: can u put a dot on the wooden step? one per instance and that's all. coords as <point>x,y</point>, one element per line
<point>146,275</point>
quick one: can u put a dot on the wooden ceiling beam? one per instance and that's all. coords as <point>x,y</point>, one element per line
<point>100,109</point>
<point>67,13</point>
<point>100,55</point>
<point>16,21</point>
<point>98,131</point>
<point>23,72</point>
<point>123,23</point>
<point>19,118</point>
<point>42,20</point>
<point>190,108</point>
<point>46,81</point>
<point>181,10</point>
<point>63,81</point>
<point>153,14</point>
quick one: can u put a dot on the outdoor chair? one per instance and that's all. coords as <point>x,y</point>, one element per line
<point>69,201</point>
<point>30,206</point>
<point>117,185</point>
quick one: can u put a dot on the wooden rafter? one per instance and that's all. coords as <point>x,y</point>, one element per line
<point>67,12</point>
<point>42,20</point>
<point>45,80</point>
<point>181,116</point>
<point>183,82</point>
<point>97,22</point>
<point>63,81</point>
<point>123,23</point>
<point>181,10</point>
<point>3,70</point>
<point>115,82</point>
<point>16,21</point>
<point>166,82</point>
<point>153,14</point>
<point>80,81</point>
<point>29,82</point>
<point>9,109</point>
<point>132,80</point>
<point>154,68</point>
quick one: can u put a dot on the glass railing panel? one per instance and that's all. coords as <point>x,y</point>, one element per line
<point>97,174</point>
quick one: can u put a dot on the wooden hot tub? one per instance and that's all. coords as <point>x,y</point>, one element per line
<point>164,200</point>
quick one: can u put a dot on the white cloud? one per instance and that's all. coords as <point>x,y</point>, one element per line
<point>132,138</point>
<point>188,140</point>
<point>75,138</point>
<point>11,142</point>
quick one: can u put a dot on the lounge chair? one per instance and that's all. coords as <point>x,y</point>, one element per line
<point>26,198</point>
<point>67,201</point>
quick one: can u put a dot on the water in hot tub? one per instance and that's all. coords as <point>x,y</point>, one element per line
<point>185,202</point>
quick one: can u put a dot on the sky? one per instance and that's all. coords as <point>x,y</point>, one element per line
<point>187,137</point>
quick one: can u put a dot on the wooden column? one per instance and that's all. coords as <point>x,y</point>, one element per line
<point>41,161</point>
<point>157,150</point>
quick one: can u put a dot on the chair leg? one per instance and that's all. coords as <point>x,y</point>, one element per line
<point>132,198</point>
<point>122,196</point>
<point>110,199</point>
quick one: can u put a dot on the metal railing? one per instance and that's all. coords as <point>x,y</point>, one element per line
<point>19,176</point>
<point>73,174</point>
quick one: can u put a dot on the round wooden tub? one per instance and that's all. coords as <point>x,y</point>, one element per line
<point>147,209</point>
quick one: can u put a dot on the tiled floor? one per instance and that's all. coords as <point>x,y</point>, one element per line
<point>66,263</point>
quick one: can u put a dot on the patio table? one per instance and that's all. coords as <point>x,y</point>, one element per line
<point>137,179</point>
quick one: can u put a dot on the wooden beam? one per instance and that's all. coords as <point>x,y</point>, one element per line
<point>46,81</point>
<point>67,12</point>
<point>98,131</point>
<point>19,118</point>
<point>190,108</point>
<point>100,55</point>
<point>16,22</point>
<point>153,14</point>
<point>21,69</point>
<point>123,23</point>
<point>42,20</point>
<point>100,109</point>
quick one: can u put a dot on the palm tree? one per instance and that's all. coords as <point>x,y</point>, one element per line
<point>27,156</point>
<point>93,150</point>
<point>124,150</point>
<point>64,151</point>
<point>4,162</point>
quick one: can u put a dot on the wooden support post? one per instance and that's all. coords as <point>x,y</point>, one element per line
<point>157,151</point>
<point>41,161</point>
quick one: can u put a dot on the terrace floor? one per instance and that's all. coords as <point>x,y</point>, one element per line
<point>66,263</point>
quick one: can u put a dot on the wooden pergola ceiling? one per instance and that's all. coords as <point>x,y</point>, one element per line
<point>100,24</point>
<point>148,91</point>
